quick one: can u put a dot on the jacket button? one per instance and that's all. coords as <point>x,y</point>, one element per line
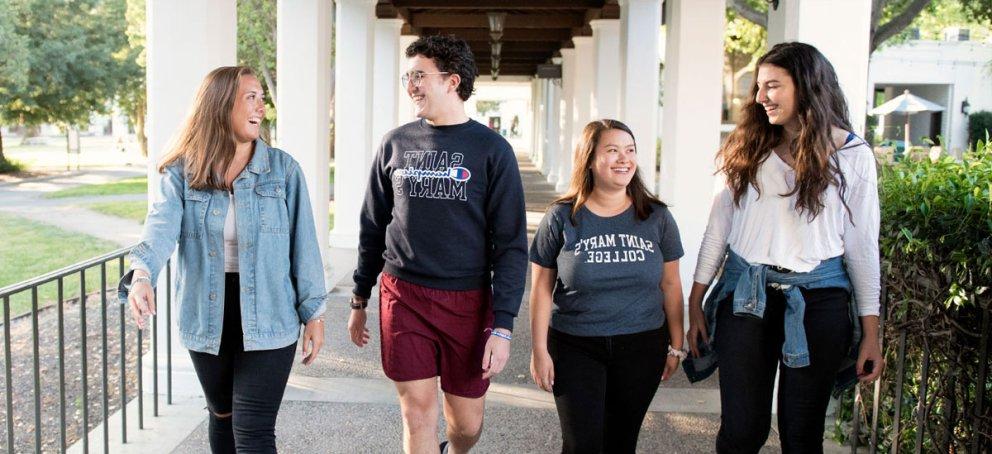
<point>213,296</point>
<point>213,253</point>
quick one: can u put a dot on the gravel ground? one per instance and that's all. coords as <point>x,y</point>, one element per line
<point>22,366</point>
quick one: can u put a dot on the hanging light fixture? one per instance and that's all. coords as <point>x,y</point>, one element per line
<point>496,21</point>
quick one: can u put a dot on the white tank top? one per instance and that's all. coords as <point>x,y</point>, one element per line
<point>231,238</point>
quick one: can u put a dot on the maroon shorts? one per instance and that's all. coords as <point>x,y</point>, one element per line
<point>429,332</point>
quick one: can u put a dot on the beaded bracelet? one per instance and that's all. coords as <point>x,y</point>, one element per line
<point>502,335</point>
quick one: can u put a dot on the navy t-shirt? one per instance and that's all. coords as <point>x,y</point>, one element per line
<point>609,268</point>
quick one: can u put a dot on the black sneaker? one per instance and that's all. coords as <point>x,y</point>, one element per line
<point>444,447</point>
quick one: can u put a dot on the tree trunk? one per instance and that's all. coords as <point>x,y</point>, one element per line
<point>139,128</point>
<point>2,157</point>
<point>882,32</point>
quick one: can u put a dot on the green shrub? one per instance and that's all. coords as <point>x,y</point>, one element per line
<point>10,166</point>
<point>979,127</point>
<point>936,245</point>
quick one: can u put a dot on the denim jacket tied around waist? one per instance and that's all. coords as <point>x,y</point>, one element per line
<point>280,267</point>
<point>748,283</point>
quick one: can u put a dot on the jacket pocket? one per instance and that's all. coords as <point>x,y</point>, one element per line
<point>194,213</point>
<point>273,214</point>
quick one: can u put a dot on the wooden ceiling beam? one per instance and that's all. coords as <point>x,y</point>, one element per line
<point>511,35</point>
<point>500,4</point>
<point>538,21</point>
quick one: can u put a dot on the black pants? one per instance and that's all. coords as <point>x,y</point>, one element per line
<point>750,350</point>
<point>603,387</point>
<point>247,385</point>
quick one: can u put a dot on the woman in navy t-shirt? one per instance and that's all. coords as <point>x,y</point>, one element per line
<point>606,254</point>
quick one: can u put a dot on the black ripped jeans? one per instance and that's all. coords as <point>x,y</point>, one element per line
<point>246,387</point>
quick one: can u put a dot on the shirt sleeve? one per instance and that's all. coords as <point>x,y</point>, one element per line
<point>670,240</point>
<point>714,246</point>
<point>861,255</point>
<point>377,213</point>
<point>548,240</point>
<point>506,219</point>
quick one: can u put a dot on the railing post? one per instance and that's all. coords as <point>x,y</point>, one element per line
<point>103,357</point>
<point>9,390</point>
<point>61,312</point>
<point>37,369</point>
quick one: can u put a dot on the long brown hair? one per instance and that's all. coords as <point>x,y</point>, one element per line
<point>582,181</point>
<point>205,142</point>
<point>820,106</point>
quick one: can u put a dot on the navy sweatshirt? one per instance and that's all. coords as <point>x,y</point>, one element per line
<point>444,209</point>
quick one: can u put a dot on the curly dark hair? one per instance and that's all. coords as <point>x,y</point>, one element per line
<point>820,105</point>
<point>452,55</point>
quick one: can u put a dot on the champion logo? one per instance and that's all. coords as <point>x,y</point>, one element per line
<point>459,174</point>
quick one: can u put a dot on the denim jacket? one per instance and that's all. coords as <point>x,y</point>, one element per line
<point>747,282</point>
<point>280,267</point>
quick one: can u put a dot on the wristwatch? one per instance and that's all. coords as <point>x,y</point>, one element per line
<point>359,302</point>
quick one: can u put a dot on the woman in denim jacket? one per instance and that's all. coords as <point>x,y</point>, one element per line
<point>795,228</point>
<point>249,271</point>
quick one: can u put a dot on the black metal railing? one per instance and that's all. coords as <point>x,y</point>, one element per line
<point>40,374</point>
<point>921,416</point>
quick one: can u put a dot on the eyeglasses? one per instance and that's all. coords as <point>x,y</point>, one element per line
<point>416,77</point>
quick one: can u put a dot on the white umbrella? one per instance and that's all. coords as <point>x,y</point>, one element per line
<point>908,104</point>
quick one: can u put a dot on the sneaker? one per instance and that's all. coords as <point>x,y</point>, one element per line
<point>444,447</point>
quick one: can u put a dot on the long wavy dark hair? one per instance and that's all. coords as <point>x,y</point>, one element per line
<point>582,181</point>
<point>820,106</point>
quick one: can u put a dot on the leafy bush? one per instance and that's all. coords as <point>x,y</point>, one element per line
<point>10,166</point>
<point>936,245</point>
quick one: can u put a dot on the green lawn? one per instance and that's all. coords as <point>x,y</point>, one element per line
<point>137,185</point>
<point>40,249</point>
<point>133,210</point>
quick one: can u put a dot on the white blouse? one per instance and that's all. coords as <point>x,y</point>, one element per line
<point>767,229</point>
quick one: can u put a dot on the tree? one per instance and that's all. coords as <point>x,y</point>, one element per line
<point>14,66</point>
<point>888,17</point>
<point>743,42</point>
<point>257,46</point>
<point>131,95</point>
<point>72,70</point>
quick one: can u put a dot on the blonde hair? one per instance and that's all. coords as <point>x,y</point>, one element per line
<point>205,141</point>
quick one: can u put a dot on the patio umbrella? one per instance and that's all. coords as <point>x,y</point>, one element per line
<point>908,104</point>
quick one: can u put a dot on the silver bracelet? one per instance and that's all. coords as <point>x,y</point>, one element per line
<point>135,280</point>
<point>502,335</point>
<point>680,354</point>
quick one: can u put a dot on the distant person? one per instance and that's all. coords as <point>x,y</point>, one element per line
<point>444,222</point>
<point>795,230</point>
<point>248,270</point>
<point>606,255</point>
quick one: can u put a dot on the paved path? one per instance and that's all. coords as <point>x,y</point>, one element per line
<point>25,198</point>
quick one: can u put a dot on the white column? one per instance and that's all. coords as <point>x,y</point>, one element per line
<point>585,67</point>
<point>304,67</point>
<point>606,75</point>
<point>552,98</point>
<point>641,24</point>
<point>814,22</point>
<point>407,111</point>
<point>353,119</point>
<point>566,119</point>
<point>535,129</point>
<point>186,40</point>
<point>691,125</point>
<point>385,81</point>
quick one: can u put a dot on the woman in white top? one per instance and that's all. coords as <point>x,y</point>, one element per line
<point>795,228</point>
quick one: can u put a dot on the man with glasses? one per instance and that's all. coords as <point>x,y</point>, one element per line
<point>444,222</point>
